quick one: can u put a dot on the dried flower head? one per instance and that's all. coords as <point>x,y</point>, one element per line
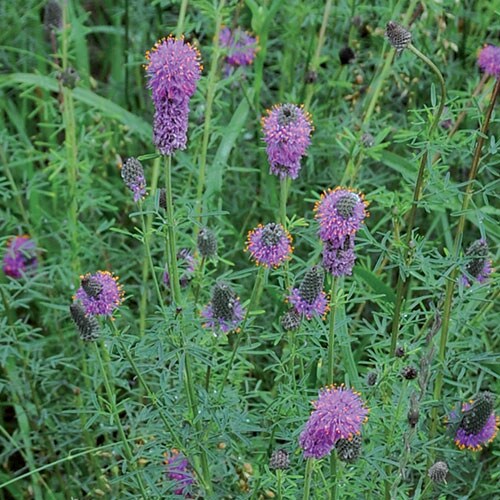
<point>224,311</point>
<point>287,133</point>
<point>371,378</point>
<point>20,257</point>
<point>179,471</point>
<point>349,450</point>
<point>52,15</point>
<point>339,259</point>
<point>338,413</point>
<point>207,243</point>
<point>478,265</point>
<point>240,45</point>
<point>397,36</point>
<point>87,326</point>
<point>280,459</point>
<point>438,472</point>
<point>346,55</point>
<point>478,424</point>
<point>413,414</point>
<point>290,320</point>
<point>106,300</point>
<point>173,69</point>
<point>69,77</point>
<point>133,175</point>
<point>340,213</point>
<point>162,198</point>
<point>269,245</point>
<point>409,372</point>
<point>489,60</point>
<point>310,299</point>
<point>185,264</point>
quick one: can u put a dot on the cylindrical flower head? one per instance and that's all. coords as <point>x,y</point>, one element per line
<point>339,260</point>
<point>287,133</point>
<point>438,472</point>
<point>133,175</point>
<point>170,125</point>
<point>240,45</point>
<point>340,213</point>
<point>290,320</point>
<point>106,300</point>
<point>338,413</point>
<point>397,36</point>
<point>207,243</point>
<point>224,312</point>
<point>20,257</point>
<point>179,471</point>
<point>52,15</point>
<point>87,326</point>
<point>280,459</point>
<point>478,424</point>
<point>269,245</point>
<point>173,69</point>
<point>478,264</point>
<point>349,450</point>
<point>489,60</point>
<point>186,264</point>
<point>309,299</point>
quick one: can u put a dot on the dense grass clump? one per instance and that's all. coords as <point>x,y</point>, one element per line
<point>248,249</point>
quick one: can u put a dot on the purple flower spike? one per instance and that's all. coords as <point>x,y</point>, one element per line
<point>339,261</point>
<point>489,60</point>
<point>269,245</point>
<point>99,293</point>
<point>287,133</point>
<point>478,265</point>
<point>20,257</point>
<point>173,69</point>
<point>240,45</point>
<point>338,413</point>
<point>340,213</point>
<point>224,312</point>
<point>187,263</point>
<point>179,471</point>
<point>319,307</point>
<point>133,175</point>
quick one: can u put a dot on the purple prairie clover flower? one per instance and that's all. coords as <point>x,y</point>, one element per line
<point>224,311</point>
<point>187,264</point>
<point>20,257</point>
<point>478,424</point>
<point>489,60</point>
<point>100,293</point>
<point>478,265</point>
<point>340,213</point>
<point>309,299</point>
<point>339,260</point>
<point>179,471</point>
<point>241,47</point>
<point>173,69</point>
<point>133,176</point>
<point>287,133</point>
<point>338,414</point>
<point>269,245</point>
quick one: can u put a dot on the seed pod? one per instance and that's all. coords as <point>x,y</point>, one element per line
<point>438,472</point>
<point>207,243</point>
<point>290,320</point>
<point>280,459</point>
<point>397,36</point>
<point>349,450</point>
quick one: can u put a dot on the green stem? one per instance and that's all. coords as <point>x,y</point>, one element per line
<point>417,192</point>
<point>283,197</point>
<point>212,83</point>
<point>450,285</point>
<point>171,249</point>
<point>307,478</point>
<point>331,329</point>
<point>333,474</point>
<point>279,477</point>
<point>317,53</point>
<point>107,377</point>
<point>180,20</point>
<point>253,302</point>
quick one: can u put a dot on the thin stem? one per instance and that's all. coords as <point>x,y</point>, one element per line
<point>450,285</point>
<point>180,20</point>
<point>106,375</point>
<point>279,476</point>
<point>283,197</point>
<point>317,53</point>
<point>212,83</point>
<point>307,478</point>
<point>331,329</point>
<point>171,248</point>
<point>417,192</point>
<point>333,474</point>
<point>253,302</point>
